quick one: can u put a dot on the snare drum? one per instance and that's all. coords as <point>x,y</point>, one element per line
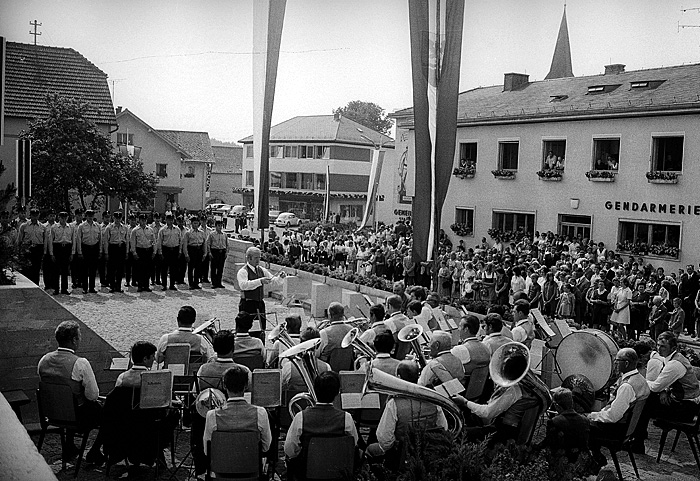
<point>589,352</point>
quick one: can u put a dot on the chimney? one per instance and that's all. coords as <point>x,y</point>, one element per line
<point>614,69</point>
<point>119,109</point>
<point>336,116</point>
<point>513,81</point>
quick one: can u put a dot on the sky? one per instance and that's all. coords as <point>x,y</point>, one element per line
<point>187,65</point>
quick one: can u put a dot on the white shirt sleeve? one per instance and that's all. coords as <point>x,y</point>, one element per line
<point>264,428</point>
<point>387,426</point>
<point>82,372</point>
<point>496,406</point>
<point>244,284</point>
<point>614,412</point>
<point>519,334</point>
<point>350,428</point>
<point>160,355</point>
<point>441,420</point>
<point>654,367</point>
<point>672,372</point>
<point>209,428</point>
<point>292,444</point>
<point>277,282</point>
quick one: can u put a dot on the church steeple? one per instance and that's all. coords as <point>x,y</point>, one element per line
<point>561,61</point>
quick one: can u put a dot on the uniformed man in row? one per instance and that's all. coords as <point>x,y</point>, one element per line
<point>115,241</point>
<point>50,272</point>
<point>31,239</point>
<point>129,265</point>
<point>143,249</point>
<point>88,247</point>
<point>157,260</point>
<point>217,250</point>
<point>102,264</point>
<point>61,250</point>
<point>194,250</point>
<point>168,248</point>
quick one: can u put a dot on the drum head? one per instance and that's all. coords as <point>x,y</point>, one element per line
<point>584,353</point>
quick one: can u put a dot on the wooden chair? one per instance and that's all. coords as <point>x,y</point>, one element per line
<point>58,407</point>
<point>691,430</point>
<point>330,458</point>
<point>615,445</point>
<point>527,425</point>
<point>234,454</point>
<point>477,381</point>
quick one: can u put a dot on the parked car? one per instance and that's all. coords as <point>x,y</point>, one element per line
<point>287,219</point>
<point>219,210</point>
<point>238,210</point>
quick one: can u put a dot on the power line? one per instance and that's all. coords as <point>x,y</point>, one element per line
<point>35,24</point>
<point>211,52</point>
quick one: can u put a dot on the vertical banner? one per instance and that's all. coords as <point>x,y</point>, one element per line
<point>327,203</point>
<point>268,19</point>
<point>23,171</point>
<point>2,90</point>
<point>374,176</point>
<point>436,48</point>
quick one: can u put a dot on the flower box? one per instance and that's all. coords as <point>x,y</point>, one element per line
<point>462,229</point>
<point>601,176</point>
<point>662,177</point>
<point>464,172</point>
<point>551,175</point>
<point>602,179</point>
<point>663,181</point>
<point>551,179</point>
<point>503,174</point>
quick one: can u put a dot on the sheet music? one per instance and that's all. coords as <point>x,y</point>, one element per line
<point>355,400</point>
<point>452,323</point>
<point>450,388</point>
<point>563,327</point>
<point>541,322</point>
<point>444,326</point>
<point>156,389</point>
<point>351,381</point>
<point>536,350</point>
<point>267,388</point>
<point>119,364</point>
<point>177,369</point>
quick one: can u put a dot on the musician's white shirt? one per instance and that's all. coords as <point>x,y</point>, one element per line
<point>672,371</point>
<point>624,396</point>
<point>245,285</point>
<point>497,405</point>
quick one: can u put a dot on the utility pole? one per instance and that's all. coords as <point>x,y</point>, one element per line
<point>35,24</point>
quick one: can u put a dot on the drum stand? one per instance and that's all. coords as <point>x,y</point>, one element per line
<point>548,366</point>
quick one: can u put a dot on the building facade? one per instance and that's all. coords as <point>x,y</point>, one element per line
<point>226,175</point>
<point>610,157</point>
<point>301,149</point>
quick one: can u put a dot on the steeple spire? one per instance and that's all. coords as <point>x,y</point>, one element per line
<point>561,61</point>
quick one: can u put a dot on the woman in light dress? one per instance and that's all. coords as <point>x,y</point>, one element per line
<point>621,298</point>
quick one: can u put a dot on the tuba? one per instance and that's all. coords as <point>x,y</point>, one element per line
<point>352,338</point>
<point>210,398</point>
<point>383,383</point>
<point>279,333</point>
<point>411,333</point>
<point>303,357</point>
<point>509,364</point>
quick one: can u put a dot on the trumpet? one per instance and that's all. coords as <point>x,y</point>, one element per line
<point>383,383</point>
<point>303,357</point>
<point>410,334</point>
<point>352,338</point>
<point>208,329</point>
<point>279,333</point>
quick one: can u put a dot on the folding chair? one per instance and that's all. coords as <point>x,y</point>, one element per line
<point>330,458</point>
<point>527,425</point>
<point>615,445</point>
<point>691,430</point>
<point>58,407</point>
<point>234,454</point>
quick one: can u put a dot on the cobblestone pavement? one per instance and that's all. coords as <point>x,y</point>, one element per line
<point>122,319</point>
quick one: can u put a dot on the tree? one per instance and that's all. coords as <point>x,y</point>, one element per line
<point>73,160</point>
<point>366,113</point>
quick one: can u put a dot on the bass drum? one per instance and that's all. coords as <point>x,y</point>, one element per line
<point>589,352</point>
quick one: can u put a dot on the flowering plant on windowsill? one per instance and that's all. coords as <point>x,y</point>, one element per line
<point>462,229</point>
<point>503,173</point>
<point>551,173</point>
<point>662,175</point>
<point>642,248</point>
<point>508,235</point>
<point>464,172</point>
<point>601,174</point>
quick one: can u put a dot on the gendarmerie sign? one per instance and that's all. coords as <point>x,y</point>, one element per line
<point>654,208</point>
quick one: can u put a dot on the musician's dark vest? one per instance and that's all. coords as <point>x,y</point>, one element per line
<point>322,420</point>
<point>453,365</point>
<point>478,356</point>
<point>686,387</point>
<point>57,367</point>
<point>257,293</point>
<point>238,415</point>
<point>411,412</point>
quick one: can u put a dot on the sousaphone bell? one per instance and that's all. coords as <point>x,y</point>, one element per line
<point>509,364</point>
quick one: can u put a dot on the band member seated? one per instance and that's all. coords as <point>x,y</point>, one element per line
<point>376,317</point>
<point>567,430</point>
<point>185,319</point>
<point>291,377</point>
<point>332,337</point>
<point>321,419</point>
<point>443,365</point>
<point>492,325</point>
<point>523,330</point>
<point>400,414</point>
<point>472,352</point>
<point>131,433</point>
<point>611,421</point>
<point>396,320</point>
<point>672,392</point>
<point>383,345</point>
<point>246,345</point>
<point>238,414</point>
<point>62,366</point>
<point>210,375</point>
<point>293,326</point>
<point>251,279</point>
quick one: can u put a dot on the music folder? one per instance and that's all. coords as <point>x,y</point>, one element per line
<point>267,388</point>
<point>156,389</point>
<point>351,385</point>
<point>119,364</point>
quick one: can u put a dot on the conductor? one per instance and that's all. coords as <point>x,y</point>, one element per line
<point>251,279</point>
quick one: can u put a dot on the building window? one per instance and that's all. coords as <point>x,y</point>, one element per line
<point>290,151</point>
<point>575,226</point>
<point>162,170</point>
<point>190,171</point>
<point>276,180</point>
<point>307,181</point>
<point>464,222</point>
<point>667,154</point>
<point>351,211</point>
<point>320,181</point>
<point>125,139</point>
<point>249,151</point>
<point>467,154</point>
<point>644,238</point>
<point>249,177</point>
<point>512,225</point>
<point>277,151</point>
<point>606,154</point>
<point>508,155</point>
<point>291,180</point>
<point>553,154</point>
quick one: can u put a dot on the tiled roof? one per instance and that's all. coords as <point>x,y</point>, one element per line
<point>680,90</point>
<point>195,144</point>
<point>324,128</point>
<point>167,140</point>
<point>229,159</point>
<point>32,71</point>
